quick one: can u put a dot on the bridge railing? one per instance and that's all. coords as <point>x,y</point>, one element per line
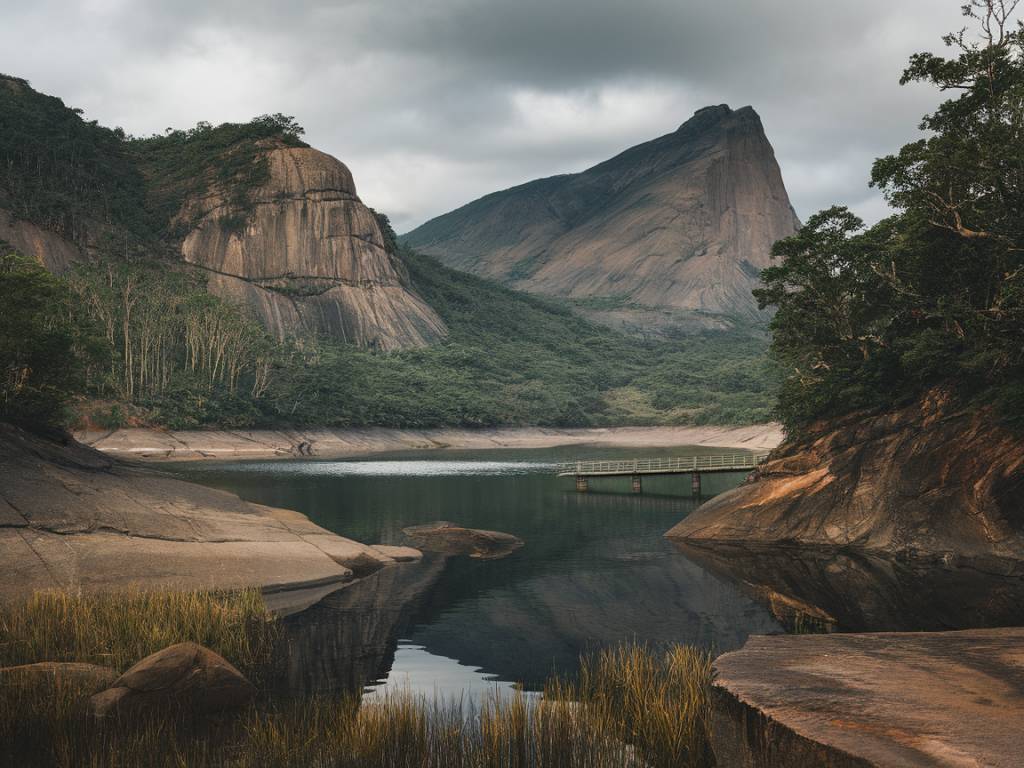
<point>722,462</point>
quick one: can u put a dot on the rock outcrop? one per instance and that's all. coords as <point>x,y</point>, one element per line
<point>310,257</point>
<point>871,701</point>
<point>51,250</point>
<point>450,539</point>
<point>183,677</point>
<point>72,518</point>
<point>681,225</point>
<point>928,480</point>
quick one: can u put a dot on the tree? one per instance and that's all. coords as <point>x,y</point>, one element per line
<point>935,294</point>
<point>43,352</point>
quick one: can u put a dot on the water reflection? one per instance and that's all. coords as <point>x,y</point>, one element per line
<point>595,570</point>
<point>865,592</point>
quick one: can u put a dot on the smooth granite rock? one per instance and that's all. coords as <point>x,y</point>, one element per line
<point>184,676</point>
<point>399,554</point>
<point>929,479</point>
<point>450,539</point>
<point>886,700</point>
<point>72,518</point>
<point>311,258</point>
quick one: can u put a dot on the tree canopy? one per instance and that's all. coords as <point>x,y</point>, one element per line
<point>933,295</point>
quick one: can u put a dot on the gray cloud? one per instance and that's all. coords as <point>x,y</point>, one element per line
<point>435,102</point>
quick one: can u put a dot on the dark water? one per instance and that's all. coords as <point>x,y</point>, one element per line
<point>595,569</point>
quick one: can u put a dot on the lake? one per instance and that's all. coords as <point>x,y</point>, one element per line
<point>595,569</point>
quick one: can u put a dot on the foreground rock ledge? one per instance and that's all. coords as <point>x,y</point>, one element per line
<point>888,700</point>
<point>72,518</point>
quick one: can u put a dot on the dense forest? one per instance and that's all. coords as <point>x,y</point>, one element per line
<point>934,295</point>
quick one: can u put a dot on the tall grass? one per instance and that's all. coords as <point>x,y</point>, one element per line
<point>118,629</point>
<point>629,706</point>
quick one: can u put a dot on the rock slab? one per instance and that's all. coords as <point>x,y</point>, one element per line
<point>883,700</point>
<point>72,518</point>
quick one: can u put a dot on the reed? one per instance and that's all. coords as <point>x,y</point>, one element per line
<point>630,706</point>
<point>118,629</point>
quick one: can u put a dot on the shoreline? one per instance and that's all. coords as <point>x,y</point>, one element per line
<point>199,445</point>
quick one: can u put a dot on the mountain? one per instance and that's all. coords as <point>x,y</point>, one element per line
<point>678,227</point>
<point>272,223</point>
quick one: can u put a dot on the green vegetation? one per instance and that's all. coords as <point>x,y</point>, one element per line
<point>934,295</point>
<point>43,352</point>
<point>64,173</point>
<point>629,706</point>
<point>117,629</point>
<point>132,337</point>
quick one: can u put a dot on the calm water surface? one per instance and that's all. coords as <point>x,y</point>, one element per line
<point>595,569</point>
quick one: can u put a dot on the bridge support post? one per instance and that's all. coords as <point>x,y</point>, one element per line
<point>581,484</point>
<point>695,485</point>
<point>637,484</point>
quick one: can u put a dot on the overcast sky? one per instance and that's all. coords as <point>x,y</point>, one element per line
<point>433,103</point>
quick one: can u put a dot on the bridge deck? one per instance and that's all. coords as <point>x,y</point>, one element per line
<point>673,465</point>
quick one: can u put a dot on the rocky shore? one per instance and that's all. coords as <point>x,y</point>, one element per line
<point>930,480</point>
<point>73,518</point>
<point>897,700</point>
<point>160,445</point>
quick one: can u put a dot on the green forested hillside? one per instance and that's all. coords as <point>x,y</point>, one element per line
<point>146,344</point>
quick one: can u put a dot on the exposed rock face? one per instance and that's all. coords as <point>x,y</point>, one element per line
<point>311,257</point>
<point>48,248</point>
<point>72,518</point>
<point>684,223</point>
<point>871,701</point>
<point>184,676</point>
<point>450,539</point>
<point>927,480</point>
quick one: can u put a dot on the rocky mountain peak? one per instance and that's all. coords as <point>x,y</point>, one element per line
<point>671,232</point>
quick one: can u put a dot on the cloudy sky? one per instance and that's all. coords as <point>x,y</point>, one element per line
<point>433,103</point>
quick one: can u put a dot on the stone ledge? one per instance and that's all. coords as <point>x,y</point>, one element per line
<point>884,700</point>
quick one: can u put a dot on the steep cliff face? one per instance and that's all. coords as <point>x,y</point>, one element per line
<point>309,258</point>
<point>926,480</point>
<point>684,223</point>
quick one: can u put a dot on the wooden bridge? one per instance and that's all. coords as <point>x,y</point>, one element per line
<point>672,465</point>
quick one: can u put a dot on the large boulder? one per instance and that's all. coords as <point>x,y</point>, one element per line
<point>182,677</point>
<point>450,539</point>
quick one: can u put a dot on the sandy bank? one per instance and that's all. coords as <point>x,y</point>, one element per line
<point>155,445</point>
